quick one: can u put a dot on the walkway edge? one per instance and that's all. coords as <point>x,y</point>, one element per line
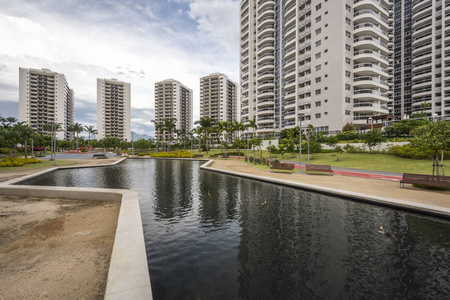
<point>128,274</point>
<point>406,205</point>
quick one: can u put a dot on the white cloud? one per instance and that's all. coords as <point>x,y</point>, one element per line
<point>96,43</point>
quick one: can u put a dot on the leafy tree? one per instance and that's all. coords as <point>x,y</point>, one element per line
<point>198,131</point>
<point>434,136</point>
<point>372,139</point>
<point>338,150</point>
<point>422,114</point>
<point>332,141</point>
<point>349,127</point>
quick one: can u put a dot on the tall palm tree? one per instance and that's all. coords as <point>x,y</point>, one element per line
<point>252,124</point>
<point>220,128</point>
<point>78,128</point>
<point>169,126</point>
<point>157,129</point>
<point>182,133</point>
<point>25,131</point>
<point>90,130</point>
<point>198,131</point>
<point>206,123</point>
<point>237,128</point>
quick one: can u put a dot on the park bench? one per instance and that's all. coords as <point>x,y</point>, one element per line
<point>99,155</point>
<point>198,155</point>
<point>318,168</point>
<point>225,156</point>
<point>214,155</point>
<point>427,180</point>
<point>282,166</point>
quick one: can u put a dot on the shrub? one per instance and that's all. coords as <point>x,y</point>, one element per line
<point>18,161</point>
<point>354,149</point>
<point>257,161</point>
<point>407,151</point>
<point>251,159</point>
<point>6,150</point>
<point>276,161</point>
<point>176,153</point>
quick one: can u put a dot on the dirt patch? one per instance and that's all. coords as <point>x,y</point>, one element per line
<point>55,249</point>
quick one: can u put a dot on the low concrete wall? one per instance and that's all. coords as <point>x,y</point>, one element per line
<point>128,275</point>
<point>406,205</point>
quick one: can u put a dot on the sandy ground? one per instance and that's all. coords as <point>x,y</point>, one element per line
<point>55,249</point>
<point>374,187</point>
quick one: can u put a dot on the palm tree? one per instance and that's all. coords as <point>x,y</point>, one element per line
<point>198,131</point>
<point>90,130</point>
<point>220,128</point>
<point>237,127</point>
<point>206,123</point>
<point>183,132</point>
<point>252,124</point>
<point>157,128</point>
<point>78,128</point>
<point>25,131</point>
<point>169,126</point>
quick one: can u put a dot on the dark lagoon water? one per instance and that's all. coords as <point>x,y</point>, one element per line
<point>208,237</point>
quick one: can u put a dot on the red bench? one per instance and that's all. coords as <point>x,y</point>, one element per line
<point>318,168</point>
<point>427,180</point>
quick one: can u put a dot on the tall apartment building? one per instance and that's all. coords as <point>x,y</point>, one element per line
<point>113,109</point>
<point>323,60</point>
<point>45,97</point>
<point>218,97</point>
<point>173,100</point>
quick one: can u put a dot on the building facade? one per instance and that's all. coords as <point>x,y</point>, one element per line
<point>173,100</point>
<point>218,97</point>
<point>45,97</point>
<point>113,109</point>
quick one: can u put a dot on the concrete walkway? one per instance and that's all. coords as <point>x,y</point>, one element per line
<point>76,155</point>
<point>384,192</point>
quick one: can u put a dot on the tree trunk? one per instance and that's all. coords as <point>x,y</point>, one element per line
<point>26,147</point>
<point>206,140</point>
<point>199,144</point>
<point>437,162</point>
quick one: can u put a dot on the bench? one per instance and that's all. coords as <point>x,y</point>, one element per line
<point>318,168</point>
<point>225,156</point>
<point>282,166</point>
<point>214,155</point>
<point>198,155</point>
<point>99,155</point>
<point>427,180</point>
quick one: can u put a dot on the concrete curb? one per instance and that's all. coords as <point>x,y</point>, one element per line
<point>389,202</point>
<point>128,275</point>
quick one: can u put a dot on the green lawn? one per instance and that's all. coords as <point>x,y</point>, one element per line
<point>43,164</point>
<point>380,162</point>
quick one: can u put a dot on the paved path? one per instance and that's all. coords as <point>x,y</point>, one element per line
<point>372,174</point>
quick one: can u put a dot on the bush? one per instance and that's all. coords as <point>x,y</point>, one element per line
<point>354,149</point>
<point>176,153</point>
<point>251,158</point>
<point>236,153</point>
<point>257,161</point>
<point>276,161</point>
<point>407,151</point>
<point>18,161</point>
<point>6,151</point>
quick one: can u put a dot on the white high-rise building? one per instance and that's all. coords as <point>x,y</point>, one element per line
<point>173,100</point>
<point>218,97</point>
<point>113,109</point>
<point>325,62</point>
<point>45,97</point>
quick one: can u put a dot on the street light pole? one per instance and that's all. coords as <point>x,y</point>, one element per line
<point>371,124</point>
<point>192,137</point>
<point>132,145</point>
<point>51,145</point>
<point>308,144</point>
<point>248,148</point>
<point>54,146</point>
<point>300,145</point>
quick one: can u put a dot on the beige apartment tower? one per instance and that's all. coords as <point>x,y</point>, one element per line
<point>113,109</point>
<point>325,62</point>
<point>218,97</point>
<point>173,100</point>
<point>45,97</point>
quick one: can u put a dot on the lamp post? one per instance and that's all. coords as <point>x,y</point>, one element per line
<point>51,146</point>
<point>371,124</point>
<point>132,145</point>
<point>308,143</point>
<point>54,144</point>
<point>192,138</point>
<point>300,145</point>
<point>248,148</point>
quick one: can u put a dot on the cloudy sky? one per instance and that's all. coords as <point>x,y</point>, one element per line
<point>137,41</point>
